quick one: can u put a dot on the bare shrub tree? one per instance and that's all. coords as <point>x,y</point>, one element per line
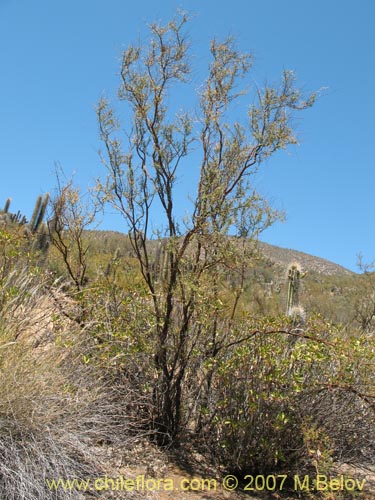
<point>70,217</point>
<point>143,172</point>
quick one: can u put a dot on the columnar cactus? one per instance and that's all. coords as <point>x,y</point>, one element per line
<point>38,214</point>
<point>7,217</point>
<point>160,265</point>
<point>7,204</point>
<point>294,279</point>
<point>35,227</point>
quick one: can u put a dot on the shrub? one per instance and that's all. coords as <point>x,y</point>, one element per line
<point>269,394</point>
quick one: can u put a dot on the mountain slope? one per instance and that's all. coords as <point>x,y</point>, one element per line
<point>284,256</point>
<point>107,242</point>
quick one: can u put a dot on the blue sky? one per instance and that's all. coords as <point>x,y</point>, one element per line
<point>58,58</point>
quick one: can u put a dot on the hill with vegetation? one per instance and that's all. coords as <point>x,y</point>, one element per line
<point>327,288</point>
<point>184,349</point>
<point>284,256</point>
<point>272,393</point>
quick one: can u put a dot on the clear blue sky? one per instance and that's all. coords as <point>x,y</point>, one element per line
<point>58,57</point>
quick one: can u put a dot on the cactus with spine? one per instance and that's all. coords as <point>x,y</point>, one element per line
<point>7,217</point>
<point>38,213</point>
<point>35,229</point>
<point>37,226</point>
<point>160,264</point>
<point>7,204</point>
<point>294,309</point>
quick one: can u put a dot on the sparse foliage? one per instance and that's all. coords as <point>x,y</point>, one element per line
<point>70,217</point>
<point>141,184</point>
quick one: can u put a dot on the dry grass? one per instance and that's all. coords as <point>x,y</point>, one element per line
<point>55,411</point>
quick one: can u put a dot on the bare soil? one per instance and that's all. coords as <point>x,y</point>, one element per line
<point>156,475</point>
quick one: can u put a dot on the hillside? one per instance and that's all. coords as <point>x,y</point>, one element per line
<point>327,288</point>
<point>284,256</point>
<point>108,241</point>
<point>257,392</point>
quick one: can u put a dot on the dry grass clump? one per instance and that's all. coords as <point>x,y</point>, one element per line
<point>55,409</point>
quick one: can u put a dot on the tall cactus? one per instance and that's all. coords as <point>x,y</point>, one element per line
<point>38,214</point>
<point>294,278</point>
<point>7,217</point>
<point>161,261</point>
<point>36,226</point>
<point>294,310</point>
<point>7,204</point>
<point>35,230</point>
